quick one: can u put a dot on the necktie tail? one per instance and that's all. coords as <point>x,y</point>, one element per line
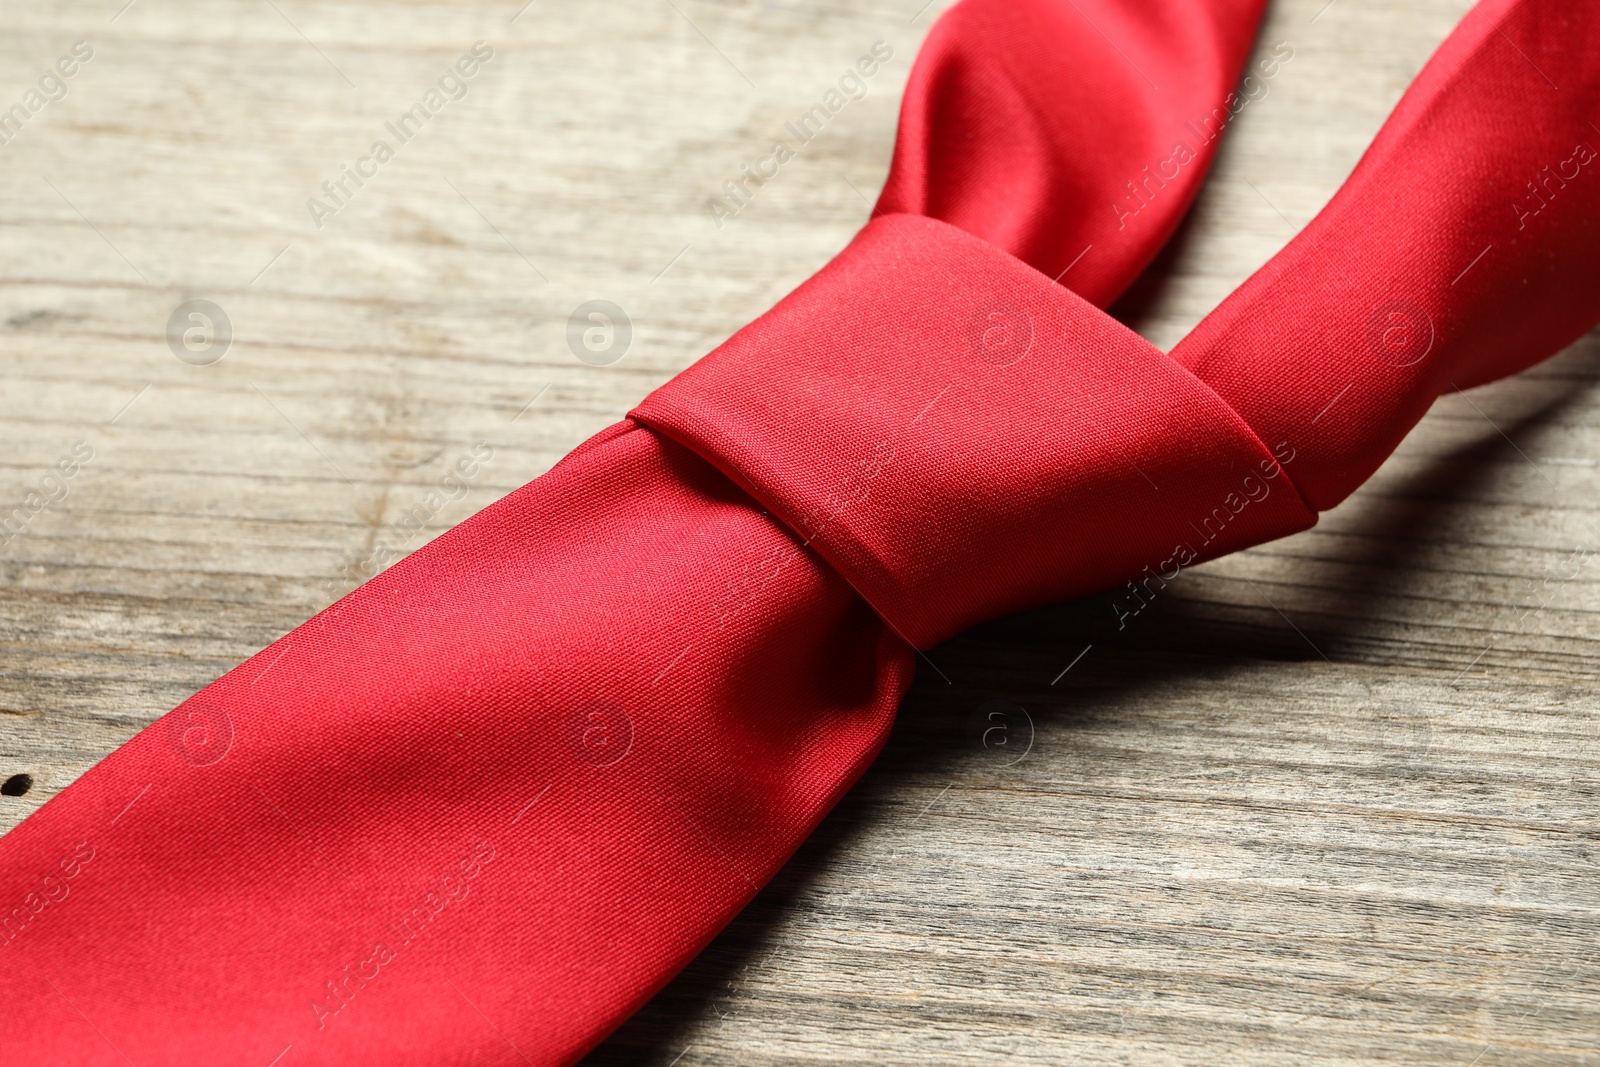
<point>1464,247</point>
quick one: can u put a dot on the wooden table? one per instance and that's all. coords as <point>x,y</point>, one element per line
<point>1330,800</point>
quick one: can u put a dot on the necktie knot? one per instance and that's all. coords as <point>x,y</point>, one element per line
<point>960,437</point>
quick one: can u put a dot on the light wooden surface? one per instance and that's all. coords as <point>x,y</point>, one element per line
<point>1331,800</point>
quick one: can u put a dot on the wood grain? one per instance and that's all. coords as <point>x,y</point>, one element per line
<point>1331,799</point>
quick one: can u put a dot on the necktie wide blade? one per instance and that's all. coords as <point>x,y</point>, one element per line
<point>515,778</point>
<point>480,809</point>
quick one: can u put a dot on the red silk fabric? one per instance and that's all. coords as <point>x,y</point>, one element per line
<point>480,809</point>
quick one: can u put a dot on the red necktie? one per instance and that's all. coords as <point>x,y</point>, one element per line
<point>482,808</point>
